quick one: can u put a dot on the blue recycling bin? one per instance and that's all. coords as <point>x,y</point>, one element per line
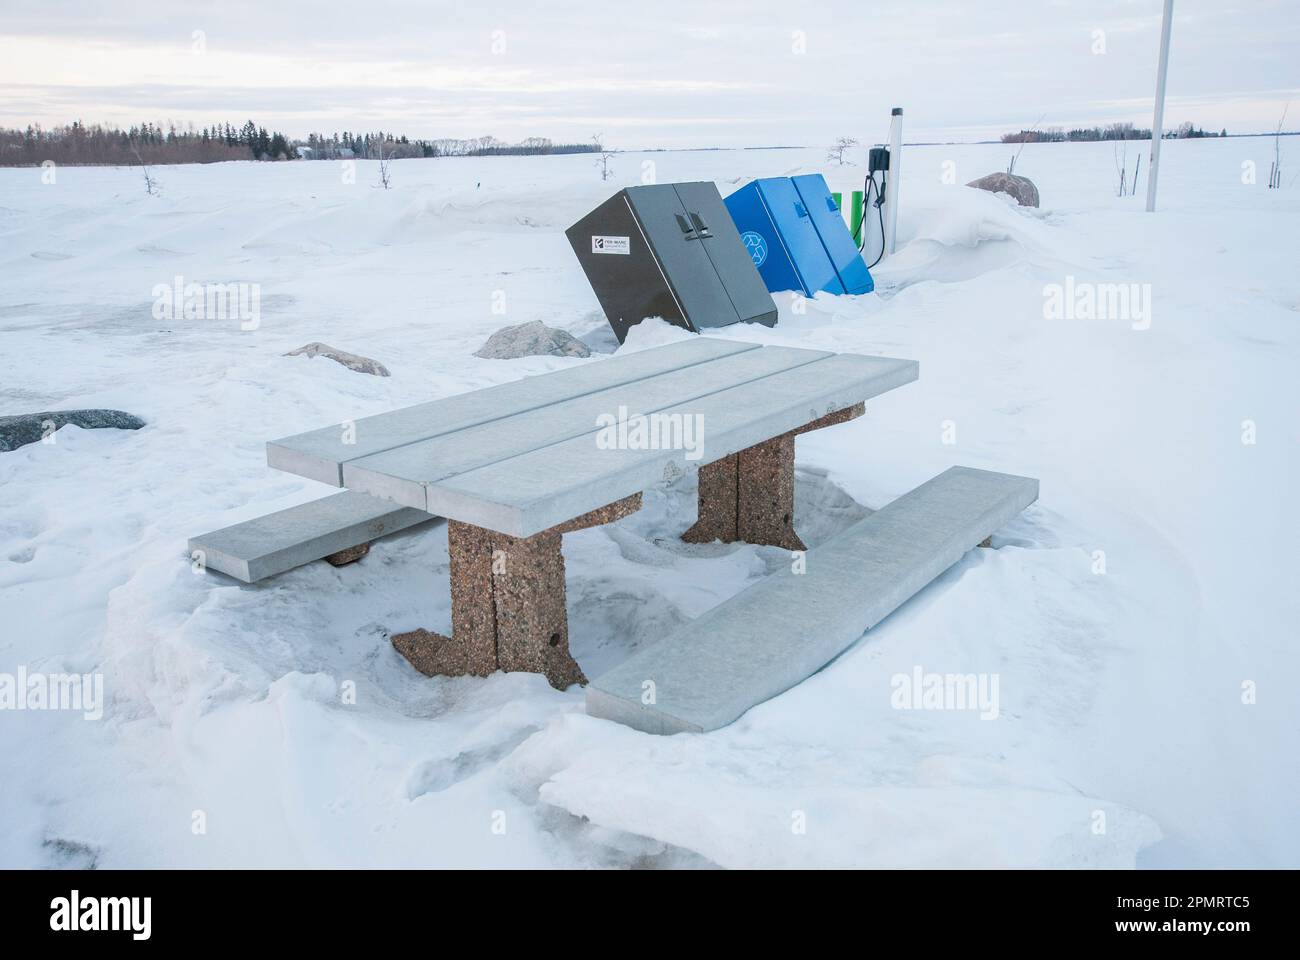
<point>793,231</point>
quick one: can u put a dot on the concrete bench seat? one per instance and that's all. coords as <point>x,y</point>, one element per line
<point>261,548</point>
<point>778,632</point>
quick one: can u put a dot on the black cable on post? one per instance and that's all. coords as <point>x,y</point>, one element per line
<point>867,188</point>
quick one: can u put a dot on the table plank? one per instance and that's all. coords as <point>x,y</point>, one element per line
<point>403,473</point>
<point>320,454</point>
<point>539,489</point>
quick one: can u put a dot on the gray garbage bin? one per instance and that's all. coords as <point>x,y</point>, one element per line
<point>669,250</point>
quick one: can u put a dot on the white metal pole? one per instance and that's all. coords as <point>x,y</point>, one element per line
<point>893,178</point>
<point>1158,125</point>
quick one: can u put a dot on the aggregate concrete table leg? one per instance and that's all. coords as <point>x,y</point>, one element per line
<point>531,623</point>
<point>473,623</point>
<point>472,647</point>
<point>507,603</point>
<point>749,495</point>
<point>716,517</point>
<point>765,494</point>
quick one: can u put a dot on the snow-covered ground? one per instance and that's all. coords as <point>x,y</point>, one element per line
<point>1125,689</point>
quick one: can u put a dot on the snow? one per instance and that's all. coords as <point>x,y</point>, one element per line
<point>279,720</point>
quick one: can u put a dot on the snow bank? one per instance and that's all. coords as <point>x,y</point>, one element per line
<point>1140,619</point>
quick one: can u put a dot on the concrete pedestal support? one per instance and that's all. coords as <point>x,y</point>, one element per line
<point>507,603</point>
<point>749,496</point>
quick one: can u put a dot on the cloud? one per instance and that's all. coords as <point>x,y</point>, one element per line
<point>670,74</point>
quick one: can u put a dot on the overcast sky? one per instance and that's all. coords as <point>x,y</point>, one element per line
<point>655,73</point>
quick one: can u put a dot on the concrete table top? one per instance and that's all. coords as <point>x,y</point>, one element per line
<point>525,456</point>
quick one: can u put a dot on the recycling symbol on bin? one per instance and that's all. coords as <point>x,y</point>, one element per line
<point>756,245</point>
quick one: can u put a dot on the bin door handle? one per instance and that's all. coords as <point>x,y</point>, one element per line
<point>700,225</point>
<point>688,232</point>
<point>800,210</point>
<point>831,205</point>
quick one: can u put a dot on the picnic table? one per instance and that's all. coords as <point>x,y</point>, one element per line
<point>514,467</point>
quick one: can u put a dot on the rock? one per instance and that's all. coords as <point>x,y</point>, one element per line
<point>1021,189</point>
<point>24,428</point>
<point>352,361</point>
<point>533,339</point>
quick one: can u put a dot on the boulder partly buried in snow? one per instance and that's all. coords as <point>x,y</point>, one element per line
<point>533,339</point>
<point>352,361</point>
<point>1020,189</point>
<point>24,428</point>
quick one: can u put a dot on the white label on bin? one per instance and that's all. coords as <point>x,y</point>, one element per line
<point>621,245</point>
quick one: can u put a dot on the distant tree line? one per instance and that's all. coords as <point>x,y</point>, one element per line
<point>368,145</point>
<point>79,143</point>
<point>1112,131</point>
<point>149,143</point>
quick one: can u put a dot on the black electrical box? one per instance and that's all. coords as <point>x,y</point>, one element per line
<point>669,250</point>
